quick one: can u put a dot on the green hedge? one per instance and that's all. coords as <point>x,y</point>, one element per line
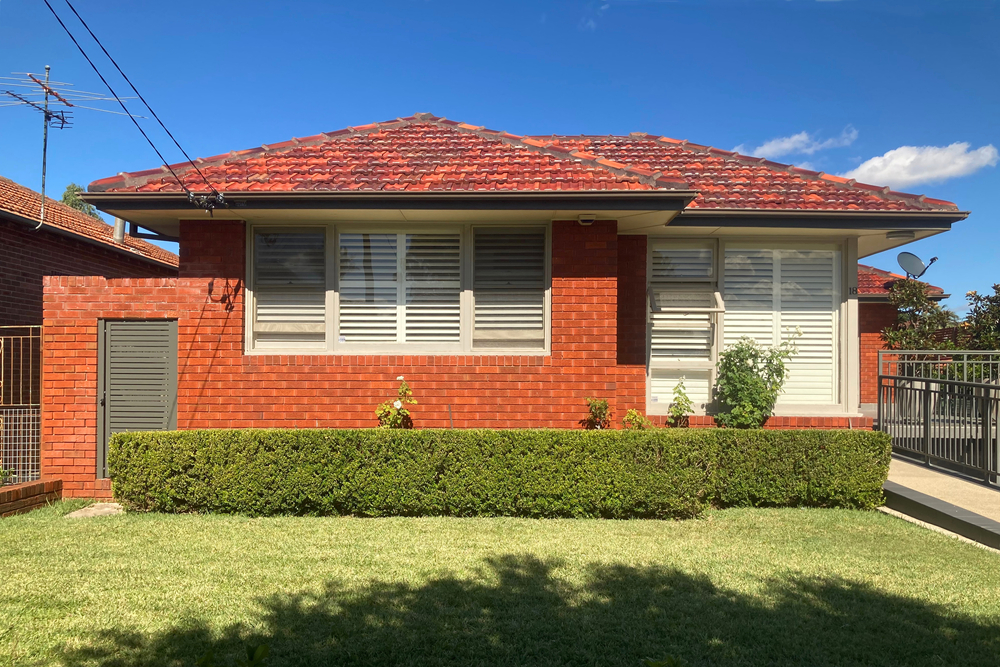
<point>533,473</point>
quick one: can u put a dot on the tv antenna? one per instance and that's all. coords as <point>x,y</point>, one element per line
<point>42,95</point>
<point>913,265</point>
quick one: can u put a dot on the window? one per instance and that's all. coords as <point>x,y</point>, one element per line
<point>509,289</point>
<point>771,295</point>
<point>400,288</point>
<point>444,289</point>
<point>684,306</point>
<point>289,279</point>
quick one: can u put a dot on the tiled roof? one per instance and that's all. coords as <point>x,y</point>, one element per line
<point>26,203</point>
<point>422,153</point>
<point>874,281</point>
<point>727,180</point>
<point>427,153</point>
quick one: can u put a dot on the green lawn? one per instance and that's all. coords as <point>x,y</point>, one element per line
<point>739,587</point>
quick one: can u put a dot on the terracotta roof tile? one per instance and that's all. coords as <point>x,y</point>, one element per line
<point>722,177</point>
<point>26,203</point>
<point>419,153</point>
<point>427,153</point>
<point>874,281</point>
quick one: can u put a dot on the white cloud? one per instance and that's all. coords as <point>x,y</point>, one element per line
<point>910,165</point>
<point>802,143</point>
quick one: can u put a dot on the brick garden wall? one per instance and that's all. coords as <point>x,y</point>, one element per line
<point>26,256</point>
<point>598,299</point>
<point>21,498</point>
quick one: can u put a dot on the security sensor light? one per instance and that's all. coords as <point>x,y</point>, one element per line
<point>587,219</point>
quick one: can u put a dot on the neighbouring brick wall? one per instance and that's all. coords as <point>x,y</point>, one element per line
<point>21,498</point>
<point>26,256</point>
<point>872,319</point>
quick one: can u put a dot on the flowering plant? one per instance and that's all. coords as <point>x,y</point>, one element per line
<point>393,414</point>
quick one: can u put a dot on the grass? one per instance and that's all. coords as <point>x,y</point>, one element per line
<point>739,587</point>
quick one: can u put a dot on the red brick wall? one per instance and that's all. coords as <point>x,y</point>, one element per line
<point>220,387</point>
<point>872,319</point>
<point>26,256</point>
<point>21,498</point>
<point>631,389</point>
<point>593,272</point>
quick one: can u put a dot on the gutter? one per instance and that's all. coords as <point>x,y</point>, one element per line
<point>609,200</point>
<point>820,219</point>
<point>59,231</point>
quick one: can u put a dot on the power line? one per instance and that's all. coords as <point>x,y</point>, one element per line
<point>205,202</point>
<point>143,100</point>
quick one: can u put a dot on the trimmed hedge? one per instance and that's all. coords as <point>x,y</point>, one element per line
<point>659,473</point>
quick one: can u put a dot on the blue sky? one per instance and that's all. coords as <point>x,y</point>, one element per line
<point>826,84</point>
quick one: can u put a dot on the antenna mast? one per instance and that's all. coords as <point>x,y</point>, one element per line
<point>40,101</point>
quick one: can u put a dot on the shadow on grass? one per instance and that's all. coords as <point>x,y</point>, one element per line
<point>519,613</point>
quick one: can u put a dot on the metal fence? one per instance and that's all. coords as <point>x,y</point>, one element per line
<point>20,404</point>
<point>943,408</point>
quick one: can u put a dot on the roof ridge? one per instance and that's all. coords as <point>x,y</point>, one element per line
<point>646,177</point>
<point>923,201</point>
<point>651,178</point>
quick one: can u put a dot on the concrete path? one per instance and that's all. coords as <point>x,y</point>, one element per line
<point>978,498</point>
<point>97,509</point>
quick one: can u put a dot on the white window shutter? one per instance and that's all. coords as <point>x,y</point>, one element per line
<point>369,288</point>
<point>433,288</point>
<point>509,288</point>
<point>770,296</point>
<point>678,336</point>
<point>750,302</point>
<point>697,386</point>
<point>289,287</point>
<point>810,302</point>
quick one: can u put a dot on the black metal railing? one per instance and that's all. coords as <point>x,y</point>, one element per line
<point>939,420</point>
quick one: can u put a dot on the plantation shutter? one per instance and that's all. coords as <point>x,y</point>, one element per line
<point>810,302</point>
<point>682,320</point>
<point>433,288</point>
<point>369,288</point>
<point>750,299</point>
<point>509,288</point>
<point>138,379</point>
<point>771,296</point>
<point>289,287</point>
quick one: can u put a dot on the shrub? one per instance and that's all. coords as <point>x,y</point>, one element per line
<point>600,414</point>
<point>658,473</point>
<point>681,407</point>
<point>749,381</point>
<point>635,421</point>
<point>394,414</point>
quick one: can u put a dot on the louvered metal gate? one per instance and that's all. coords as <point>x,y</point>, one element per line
<point>20,403</point>
<point>137,380</point>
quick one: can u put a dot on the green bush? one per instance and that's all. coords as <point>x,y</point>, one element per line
<point>531,473</point>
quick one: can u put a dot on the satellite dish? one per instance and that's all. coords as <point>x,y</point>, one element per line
<point>913,265</point>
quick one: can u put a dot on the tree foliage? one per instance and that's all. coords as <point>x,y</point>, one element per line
<point>71,197</point>
<point>919,319</point>
<point>981,329</point>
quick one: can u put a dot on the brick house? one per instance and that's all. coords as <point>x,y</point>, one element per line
<point>69,243</point>
<point>506,277</point>
<point>874,315</point>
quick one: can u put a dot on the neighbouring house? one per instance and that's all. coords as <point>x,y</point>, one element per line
<point>506,277</point>
<point>68,243</point>
<point>875,314</point>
